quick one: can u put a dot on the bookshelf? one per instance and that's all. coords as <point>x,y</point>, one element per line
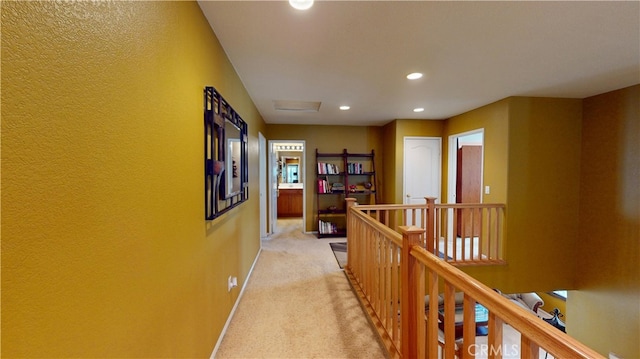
<point>340,175</point>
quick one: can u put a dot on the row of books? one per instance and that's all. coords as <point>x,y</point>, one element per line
<point>327,227</point>
<point>328,168</point>
<point>325,187</point>
<point>333,169</point>
<point>354,167</point>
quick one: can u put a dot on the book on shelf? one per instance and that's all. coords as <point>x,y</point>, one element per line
<point>328,168</point>
<point>323,186</point>
<point>354,168</point>
<point>327,227</point>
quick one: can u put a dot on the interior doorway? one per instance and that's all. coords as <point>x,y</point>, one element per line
<point>287,194</point>
<point>466,167</point>
<point>421,171</point>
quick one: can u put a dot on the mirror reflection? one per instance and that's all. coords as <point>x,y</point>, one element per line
<point>290,170</point>
<point>232,183</point>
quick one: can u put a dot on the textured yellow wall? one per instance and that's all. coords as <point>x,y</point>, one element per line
<point>532,163</point>
<point>543,192</point>
<point>605,312</point>
<point>389,172</point>
<point>328,139</point>
<point>105,250</point>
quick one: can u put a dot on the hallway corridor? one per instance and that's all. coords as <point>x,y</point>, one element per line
<point>298,304</point>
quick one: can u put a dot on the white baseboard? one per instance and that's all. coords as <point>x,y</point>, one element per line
<point>235,306</point>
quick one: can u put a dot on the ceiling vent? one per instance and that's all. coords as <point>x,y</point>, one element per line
<point>296,106</point>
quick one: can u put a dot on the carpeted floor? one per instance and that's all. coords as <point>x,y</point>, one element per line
<point>298,304</point>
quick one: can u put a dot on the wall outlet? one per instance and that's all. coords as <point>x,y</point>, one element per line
<point>487,190</point>
<point>232,282</point>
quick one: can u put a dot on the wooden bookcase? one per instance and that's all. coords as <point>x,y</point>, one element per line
<point>338,176</point>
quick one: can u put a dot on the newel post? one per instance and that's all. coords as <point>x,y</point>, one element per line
<point>431,229</point>
<point>351,245</point>
<point>412,295</point>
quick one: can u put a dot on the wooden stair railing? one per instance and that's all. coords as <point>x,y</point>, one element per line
<point>464,234</point>
<point>392,273</point>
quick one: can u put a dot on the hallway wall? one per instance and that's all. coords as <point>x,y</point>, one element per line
<point>105,250</point>
<point>605,312</point>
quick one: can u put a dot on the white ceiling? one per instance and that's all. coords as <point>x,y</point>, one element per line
<point>472,53</point>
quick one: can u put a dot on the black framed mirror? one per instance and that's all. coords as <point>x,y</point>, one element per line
<point>225,152</point>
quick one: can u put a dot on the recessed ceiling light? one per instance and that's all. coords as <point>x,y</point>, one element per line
<point>414,76</point>
<point>419,109</point>
<point>344,108</point>
<point>301,4</point>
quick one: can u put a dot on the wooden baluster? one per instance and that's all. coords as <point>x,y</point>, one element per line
<point>432,316</point>
<point>468,327</point>
<point>412,297</point>
<point>494,340</point>
<point>395,289</point>
<point>499,234</point>
<point>528,349</point>
<point>482,232</point>
<point>351,237</point>
<point>449,321</point>
<point>456,214</point>
<point>437,229</point>
<point>492,235</point>
<point>430,228</point>
<point>384,280</point>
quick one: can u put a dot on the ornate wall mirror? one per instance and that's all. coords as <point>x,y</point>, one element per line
<point>225,152</point>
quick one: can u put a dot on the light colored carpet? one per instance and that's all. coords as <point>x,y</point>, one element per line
<point>298,304</point>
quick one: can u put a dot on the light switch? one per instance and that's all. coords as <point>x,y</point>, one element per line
<point>487,190</point>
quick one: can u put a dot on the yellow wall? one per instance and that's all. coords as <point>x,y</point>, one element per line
<point>329,139</point>
<point>389,168</point>
<point>105,250</point>
<point>542,157</point>
<point>605,312</point>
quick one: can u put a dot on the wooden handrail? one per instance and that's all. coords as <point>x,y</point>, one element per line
<point>530,326</point>
<point>392,273</point>
<point>460,233</point>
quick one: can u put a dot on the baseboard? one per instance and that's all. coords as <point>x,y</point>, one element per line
<point>235,306</point>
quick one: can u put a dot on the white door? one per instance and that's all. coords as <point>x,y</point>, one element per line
<point>421,173</point>
<point>262,153</point>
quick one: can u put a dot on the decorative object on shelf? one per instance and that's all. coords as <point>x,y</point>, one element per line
<point>368,185</point>
<point>332,208</point>
<point>337,187</point>
<point>226,179</point>
<point>352,188</point>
